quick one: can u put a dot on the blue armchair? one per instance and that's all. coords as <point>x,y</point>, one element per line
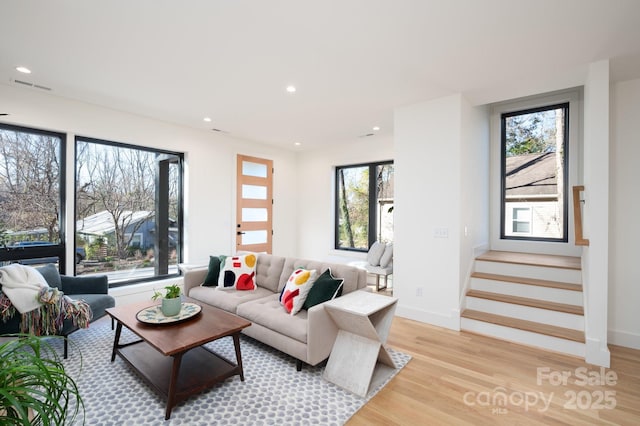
<point>92,289</point>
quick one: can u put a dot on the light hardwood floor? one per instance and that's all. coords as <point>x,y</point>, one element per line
<point>449,368</point>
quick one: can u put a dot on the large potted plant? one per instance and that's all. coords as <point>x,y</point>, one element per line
<point>34,387</point>
<point>171,301</point>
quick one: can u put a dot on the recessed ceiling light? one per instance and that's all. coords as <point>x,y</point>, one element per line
<point>23,70</point>
<point>291,89</point>
<point>376,128</point>
<point>207,119</point>
<point>297,143</point>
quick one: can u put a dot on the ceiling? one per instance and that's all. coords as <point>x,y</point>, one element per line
<point>352,61</point>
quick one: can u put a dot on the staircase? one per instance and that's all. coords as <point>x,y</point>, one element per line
<point>531,299</point>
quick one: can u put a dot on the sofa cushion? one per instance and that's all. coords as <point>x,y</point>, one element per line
<point>51,275</point>
<point>324,289</point>
<point>268,271</point>
<point>297,288</point>
<point>268,313</point>
<point>238,273</point>
<point>387,256</point>
<point>227,299</point>
<point>375,253</point>
<point>98,303</point>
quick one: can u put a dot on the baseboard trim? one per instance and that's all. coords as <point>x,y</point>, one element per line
<point>451,322</point>
<point>624,338</point>
<point>597,353</point>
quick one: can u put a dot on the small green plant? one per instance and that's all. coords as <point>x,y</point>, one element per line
<point>34,387</point>
<point>172,291</point>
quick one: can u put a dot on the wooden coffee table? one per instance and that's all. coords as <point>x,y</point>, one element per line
<point>171,358</point>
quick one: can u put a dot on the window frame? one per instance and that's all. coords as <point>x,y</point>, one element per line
<point>53,250</point>
<point>372,207</point>
<point>181,163</point>
<point>566,176</point>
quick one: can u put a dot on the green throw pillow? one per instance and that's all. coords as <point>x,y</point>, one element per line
<point>325,288</point>
<point>214,270</point>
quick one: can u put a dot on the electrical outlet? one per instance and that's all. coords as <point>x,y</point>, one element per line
<point>419,292</point>
<point>441,233</point>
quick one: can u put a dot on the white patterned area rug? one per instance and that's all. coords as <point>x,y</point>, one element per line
<point>273,392</point>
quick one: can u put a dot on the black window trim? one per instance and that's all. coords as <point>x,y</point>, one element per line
<point>503,142</point>
<point>180,156</point>
<point>55,250</point>
<point>373,211</point>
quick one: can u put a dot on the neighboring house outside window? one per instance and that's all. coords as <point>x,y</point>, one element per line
<point>364,205</point>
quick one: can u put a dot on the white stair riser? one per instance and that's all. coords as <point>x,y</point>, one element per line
<point>544,316</point>
<point>524,337</point>
<point>572,276</point>
<point>530,291</point>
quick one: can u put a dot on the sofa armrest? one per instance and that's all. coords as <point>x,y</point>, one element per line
<point>193,278</point>
<point>96,284</point>
<point>321,334</point>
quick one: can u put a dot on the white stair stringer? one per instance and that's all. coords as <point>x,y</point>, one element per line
<point>573,276</point>
<point>528,313</point>
<point>524,337</point>
<point>558,295</point>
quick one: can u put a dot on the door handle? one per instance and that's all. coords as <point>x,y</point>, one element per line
<point>241,233</point>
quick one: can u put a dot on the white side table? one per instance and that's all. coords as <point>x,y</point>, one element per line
<point>358,357</point>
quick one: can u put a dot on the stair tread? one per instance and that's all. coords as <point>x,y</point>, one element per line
<point>552,261</point>
<point>525,301</point>
<point>528,281</point>
<point>532,326</point>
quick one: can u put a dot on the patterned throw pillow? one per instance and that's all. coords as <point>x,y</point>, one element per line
<point>297,288</point>
<point>324,289</point>
<point>238,273</point>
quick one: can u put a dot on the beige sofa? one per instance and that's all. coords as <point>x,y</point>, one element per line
<point>307,336</point>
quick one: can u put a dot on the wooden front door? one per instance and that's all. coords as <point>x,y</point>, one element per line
<point>254,204</point>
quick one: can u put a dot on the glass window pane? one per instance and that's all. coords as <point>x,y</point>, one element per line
<point>127,211</point>
<point>254,192</point>
<point>254,237</point>
<point>29,187</point>
<point>254,214</point>
<point>534,170</point>
<point>254,169</point>
<point>353,205</point>
<point>384,187</point>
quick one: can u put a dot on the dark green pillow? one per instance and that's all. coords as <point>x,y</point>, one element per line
<point>325,288</point>
<point>214,271</point>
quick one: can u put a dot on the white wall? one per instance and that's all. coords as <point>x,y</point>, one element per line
<point>624,231</point>
<point>315,203</point>
<point>427,197</point>
<point>474,193</point>
<point>210,165</point>
<point>595,260</point>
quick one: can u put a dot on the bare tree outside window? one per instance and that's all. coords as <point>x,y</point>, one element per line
<point>29,186</point>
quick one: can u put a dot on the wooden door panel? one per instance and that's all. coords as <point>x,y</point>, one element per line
<point>254,204</point>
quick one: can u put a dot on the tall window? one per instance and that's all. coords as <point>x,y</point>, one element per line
<point>31,196</point>
<point>128,210</point>
<point>364,205</point>
<point>534,174</point>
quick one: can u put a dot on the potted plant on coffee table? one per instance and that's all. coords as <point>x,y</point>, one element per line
<point>34,387</point>
<point>171,301</point>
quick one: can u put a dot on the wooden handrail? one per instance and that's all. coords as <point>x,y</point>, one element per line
<point>577,216</point>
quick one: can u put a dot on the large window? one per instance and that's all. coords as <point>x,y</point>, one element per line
<point>31,196</point>
<point>128,210</point>
<point>364,205</point>
<point>534,173</point>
